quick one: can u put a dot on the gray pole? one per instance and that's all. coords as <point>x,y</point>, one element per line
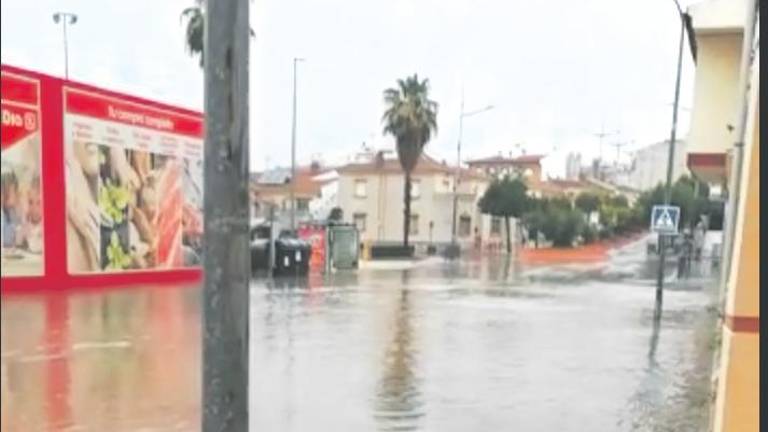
<point>293,151</point>
<point>64,17</point>
<point>66,49</point>
<point>670,164</point>
<point>458,172</point>
<point>226,297</point>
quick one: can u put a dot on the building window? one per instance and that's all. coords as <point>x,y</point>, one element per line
<point>359,221</point>
<point>361,188</point>
<point>414,228</point>
<point>302,204</point>
<point>496,226</point>
<point>465,226</point>
<point>415,189</point>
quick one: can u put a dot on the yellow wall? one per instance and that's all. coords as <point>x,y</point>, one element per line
<point>743,283</point>
<point>737,403</point>
<point>715,99</point>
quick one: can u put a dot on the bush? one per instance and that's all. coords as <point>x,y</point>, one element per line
<point>589,234</point>
<point>605,233</point>
<point>588,202</point>
<point>562,226</point>
<point>623,220</point>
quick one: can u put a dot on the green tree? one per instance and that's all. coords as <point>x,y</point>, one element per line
<point>506,198</point>
<point>411,118</point>
<point>559,202</point>
<point>588,202</point>
<point>336,215</point>
<point>619,201</point>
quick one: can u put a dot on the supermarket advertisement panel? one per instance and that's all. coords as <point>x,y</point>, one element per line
<point>133,175</point>
<point>21,193</point>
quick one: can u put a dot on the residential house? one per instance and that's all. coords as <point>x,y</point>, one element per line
<point>271,191</point>
<point>527,167</point>
<point>370,193</point>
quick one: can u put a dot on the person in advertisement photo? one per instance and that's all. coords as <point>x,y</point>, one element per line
<point>83,214</point>
<point>192,216</point>
<point>21,208</point>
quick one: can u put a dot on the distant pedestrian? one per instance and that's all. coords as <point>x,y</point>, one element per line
<point>699,234</point>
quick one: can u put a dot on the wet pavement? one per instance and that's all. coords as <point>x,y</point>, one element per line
<point>482,344</point>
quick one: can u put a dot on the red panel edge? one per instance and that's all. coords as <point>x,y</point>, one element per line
<point>16,285</point>
<point>743,324</point>
<point>112,93</point>
<point>706,160</point>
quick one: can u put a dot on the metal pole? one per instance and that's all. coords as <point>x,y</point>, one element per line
<point>293,151</point>
<point>670,164</point>
<point>458,168</point>
<point>66,49</point>
<point>226,259</point>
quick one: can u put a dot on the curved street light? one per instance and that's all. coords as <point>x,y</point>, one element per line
<point>458,169</point>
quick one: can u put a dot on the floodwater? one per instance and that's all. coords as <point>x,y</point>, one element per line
<point>481,345</point>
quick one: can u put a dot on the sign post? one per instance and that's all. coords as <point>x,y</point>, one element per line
<point>665,220</point>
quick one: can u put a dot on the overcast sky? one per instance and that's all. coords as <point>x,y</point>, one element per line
<point>556,71</point>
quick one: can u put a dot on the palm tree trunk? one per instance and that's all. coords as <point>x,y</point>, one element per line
<point>407,209</point>
<point>509,235</point>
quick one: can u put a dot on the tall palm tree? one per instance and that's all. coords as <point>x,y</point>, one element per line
<point>411,117</point>
<point>195,29</point>
<point>195,16</point>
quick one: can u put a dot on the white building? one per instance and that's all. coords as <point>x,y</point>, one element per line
<point>573,166</point>
<point>649,165</point>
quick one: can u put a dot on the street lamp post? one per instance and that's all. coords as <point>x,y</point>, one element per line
<point>670,163</point>
<point>293,150</point>
<point>457,174</point>
<point>65,18</point>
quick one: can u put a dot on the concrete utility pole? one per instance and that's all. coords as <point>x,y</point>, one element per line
<point>618,146</point>
<point>602,134</point>
<point>226,297</point>
<point>670,163</point>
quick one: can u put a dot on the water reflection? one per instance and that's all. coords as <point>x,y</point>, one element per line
<point>470,345</point>
<point>124,360</point>
<point>398,398</point>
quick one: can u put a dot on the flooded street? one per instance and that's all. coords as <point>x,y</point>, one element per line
<point>478,345</point>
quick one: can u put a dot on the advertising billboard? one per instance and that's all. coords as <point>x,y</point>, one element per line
<point>21,192</point>
<point>133,177</point>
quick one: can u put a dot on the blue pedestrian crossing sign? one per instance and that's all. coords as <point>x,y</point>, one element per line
<point>665,219</point>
